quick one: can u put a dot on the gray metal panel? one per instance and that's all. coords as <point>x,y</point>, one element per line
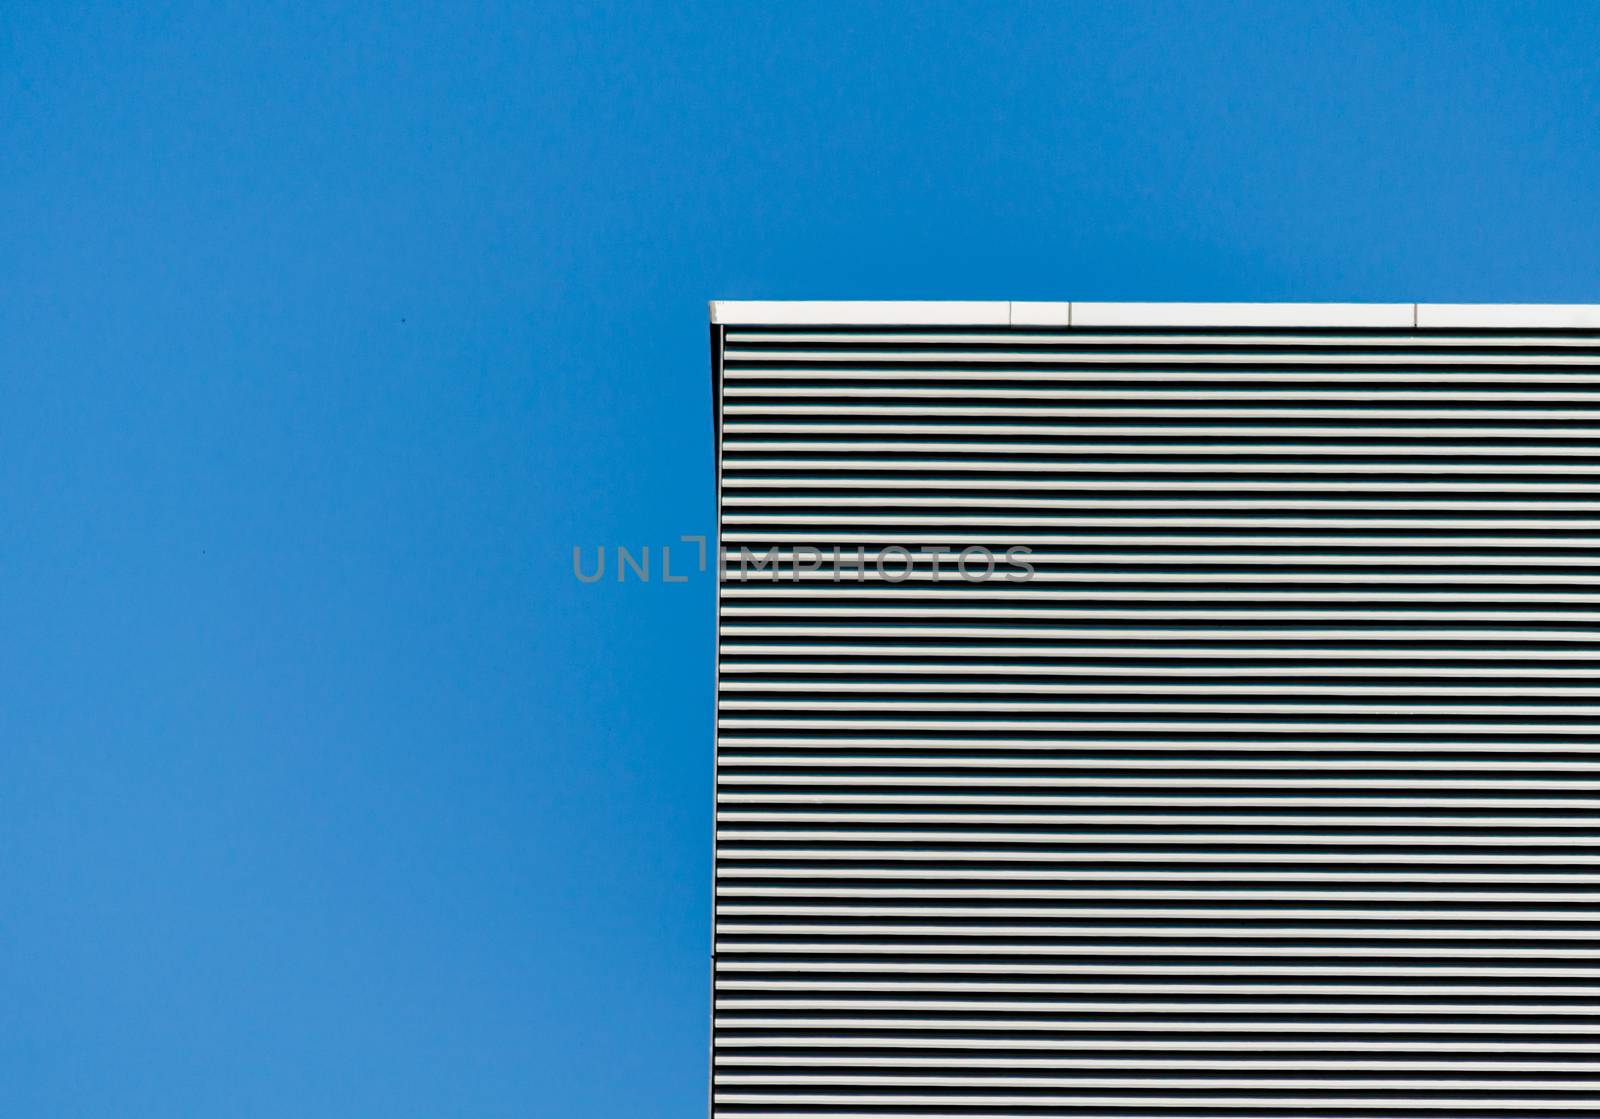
<point>1274,792</point>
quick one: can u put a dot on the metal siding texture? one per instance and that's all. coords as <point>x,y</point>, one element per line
<point>1273,791</point>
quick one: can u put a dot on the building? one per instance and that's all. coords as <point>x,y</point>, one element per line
<point>1270,789</point>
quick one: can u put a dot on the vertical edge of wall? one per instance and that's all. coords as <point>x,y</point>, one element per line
<point>717,333</point>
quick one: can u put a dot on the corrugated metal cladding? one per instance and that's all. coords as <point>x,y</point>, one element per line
<point>1273,791</point>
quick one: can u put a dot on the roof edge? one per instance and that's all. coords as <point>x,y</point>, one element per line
<point>860,313</point>
<point>1391,316</point>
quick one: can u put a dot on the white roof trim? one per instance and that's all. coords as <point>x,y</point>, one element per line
<point>1532,316</point>
<point>1041,314</point>
<point>1392,316</point>
<point>863,313</point>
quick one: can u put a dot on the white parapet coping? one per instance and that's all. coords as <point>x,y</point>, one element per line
<point>1530,316</point>
<point>1391,315</point>
<point>861,313</point>
<point>1041,314</point>
<point>1386,316</point>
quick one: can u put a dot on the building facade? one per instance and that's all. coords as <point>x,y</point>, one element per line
<point>1157,710</point>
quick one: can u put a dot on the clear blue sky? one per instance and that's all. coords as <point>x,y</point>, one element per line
<point>325,333</point>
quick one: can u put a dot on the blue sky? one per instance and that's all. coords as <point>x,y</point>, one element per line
<point>325,334</point>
